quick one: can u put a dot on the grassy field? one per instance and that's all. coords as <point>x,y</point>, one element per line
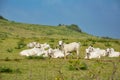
<point>14,37</point>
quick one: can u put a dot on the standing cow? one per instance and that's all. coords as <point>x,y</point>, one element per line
<point>67,48</point>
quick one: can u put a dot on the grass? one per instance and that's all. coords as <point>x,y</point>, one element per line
<point>50,69</point>
<point>37,68</point>
<point>14,37</point>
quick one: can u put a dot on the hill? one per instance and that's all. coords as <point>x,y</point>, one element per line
<point>13,39</point>
<point>15,29</point>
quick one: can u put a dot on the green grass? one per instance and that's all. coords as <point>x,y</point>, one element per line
<point>16,67</point>
<point>14,29</point>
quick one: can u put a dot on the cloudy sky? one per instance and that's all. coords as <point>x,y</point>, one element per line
<point>96,17</point>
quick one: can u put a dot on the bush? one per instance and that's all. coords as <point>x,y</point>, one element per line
<point>17,70</point>
<point>9,50</point>
<point>84,44</point>
<point>16,59</point>
<point>4,69</point>
<point>117,42</point>
<point>77,65</point>
<point>7,59</point>
<point>74,27</point>
<point>3,35</point>
<point>1,17</point>
<point>107,44</point>
<point>52,40</point>
<point>20,44</point>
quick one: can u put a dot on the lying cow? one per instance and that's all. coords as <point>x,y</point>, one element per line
<point>32,44</point>
<point>94,53</point>
<point>32,52</point>
<point>112,53</point>
<point>56,53</point>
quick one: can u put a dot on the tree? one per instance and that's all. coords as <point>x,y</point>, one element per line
<point>1,17</point>
<point>74,27</point>
<point>59,24</point>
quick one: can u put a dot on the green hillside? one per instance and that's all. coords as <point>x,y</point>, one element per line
<point>14,29</point>
<point>13,39</point>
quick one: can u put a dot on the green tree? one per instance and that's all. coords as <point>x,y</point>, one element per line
<point>74,27</point>
<point>1,17</point>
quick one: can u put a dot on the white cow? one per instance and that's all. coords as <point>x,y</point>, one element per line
<point>38,45</point>
<point>67,48</point>
<point>57,53</point>
<point>47,53</point>
<point>31,44</point>
<point>37,49</point>
<point>45,46</point>
<point>32,52</point>
<point>94,53</point>
<point>112,53</point>
<point>27,52</point>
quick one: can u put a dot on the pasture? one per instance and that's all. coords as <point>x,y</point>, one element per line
<point>16,67</point>
<point>14,37</point>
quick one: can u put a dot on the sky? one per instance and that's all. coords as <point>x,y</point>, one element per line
<point>96,17</point>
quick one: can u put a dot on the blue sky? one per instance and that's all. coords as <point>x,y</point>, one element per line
<point>96,17</point>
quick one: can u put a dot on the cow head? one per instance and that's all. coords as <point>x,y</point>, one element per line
<point>60,43</point>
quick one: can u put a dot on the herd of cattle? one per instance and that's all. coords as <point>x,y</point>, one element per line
<point>37,49</point>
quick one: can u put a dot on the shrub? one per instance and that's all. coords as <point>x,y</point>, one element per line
<point>106,37</point>
<point>17,70</point>
<point>77,65</point>
<point>9,50</point>
<point>1,17</point>
<point>84,44</point>
<point>93,43</point>
<point>74,27</point>
<point>7,59</point>
<point>52,40</point>
<point>83,66</point>
<point>16,59</point>
<point>4,69</point>
<point>102,40</point>
<point>49,32</point>
<point>117,42</point>
<point>107,44</point>
<point>3,35</point>
<point>20,44</point>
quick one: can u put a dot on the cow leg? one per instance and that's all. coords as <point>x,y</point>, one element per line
<point>77,54</point>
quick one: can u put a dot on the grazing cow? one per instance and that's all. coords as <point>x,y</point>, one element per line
<point>67,48</point>
<point>112,53</point>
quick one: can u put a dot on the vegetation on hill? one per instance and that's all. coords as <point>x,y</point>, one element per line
<point>14,29</point>
<point>1,17</point>
<point>74,27</point>
<point>13,39</point>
